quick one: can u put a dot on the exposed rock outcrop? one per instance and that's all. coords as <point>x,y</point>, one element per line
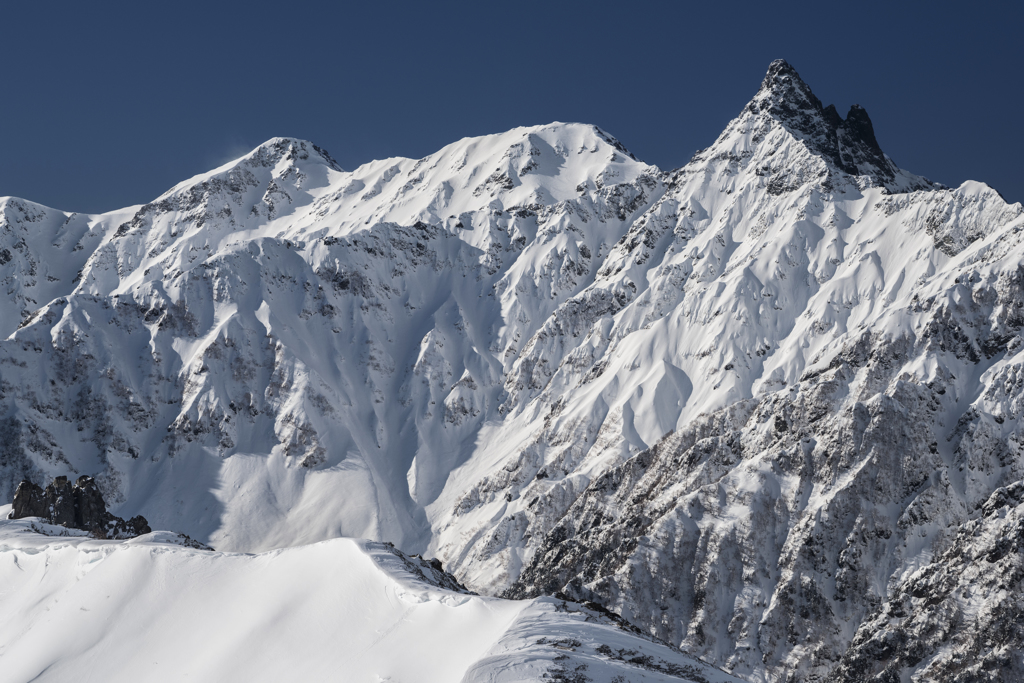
<point>75,506</point>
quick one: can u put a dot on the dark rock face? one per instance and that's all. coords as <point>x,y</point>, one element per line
<point>958,618</point>
<point>90,510</point>
<point>28,501</point>
<point>75,506</point>
<point>60,500</point>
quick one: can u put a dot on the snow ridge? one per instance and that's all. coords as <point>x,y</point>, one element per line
<point>155,608</point>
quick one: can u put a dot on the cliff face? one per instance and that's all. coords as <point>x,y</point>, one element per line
<point>746,403</point>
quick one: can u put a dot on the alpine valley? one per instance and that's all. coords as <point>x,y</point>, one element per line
<point>764,408</point>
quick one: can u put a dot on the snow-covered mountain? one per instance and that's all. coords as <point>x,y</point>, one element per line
<point>748,404</point>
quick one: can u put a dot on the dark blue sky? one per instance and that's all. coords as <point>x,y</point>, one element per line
<point>109,104</point>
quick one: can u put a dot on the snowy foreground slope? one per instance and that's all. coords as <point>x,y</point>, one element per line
<point>150,609</point>
<point>765,406</point>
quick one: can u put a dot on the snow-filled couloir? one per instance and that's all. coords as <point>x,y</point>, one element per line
<point>740,403</point>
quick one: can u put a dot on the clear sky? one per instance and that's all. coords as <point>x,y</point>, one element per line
<point>109,104</point>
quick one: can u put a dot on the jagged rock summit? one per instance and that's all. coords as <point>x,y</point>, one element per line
<point>847,145</point>
<point>850,144</point>
<point>744,404</point>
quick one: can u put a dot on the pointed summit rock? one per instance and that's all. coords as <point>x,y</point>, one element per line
<point>785,95</point>
<point>847,145</point>
<point>859,125</point>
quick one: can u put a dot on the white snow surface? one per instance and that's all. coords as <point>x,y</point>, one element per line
<point>77,608</point>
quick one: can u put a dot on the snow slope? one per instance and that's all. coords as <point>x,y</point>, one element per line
<point>76,608</point>
<point>549,364</point>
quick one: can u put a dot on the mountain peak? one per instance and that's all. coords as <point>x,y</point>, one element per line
<point>783,87</point>
<point>291,149</point>
<point>849,144</point>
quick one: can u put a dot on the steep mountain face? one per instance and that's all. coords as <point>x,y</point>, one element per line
<point>764,406</point>
<point>278,352</point>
